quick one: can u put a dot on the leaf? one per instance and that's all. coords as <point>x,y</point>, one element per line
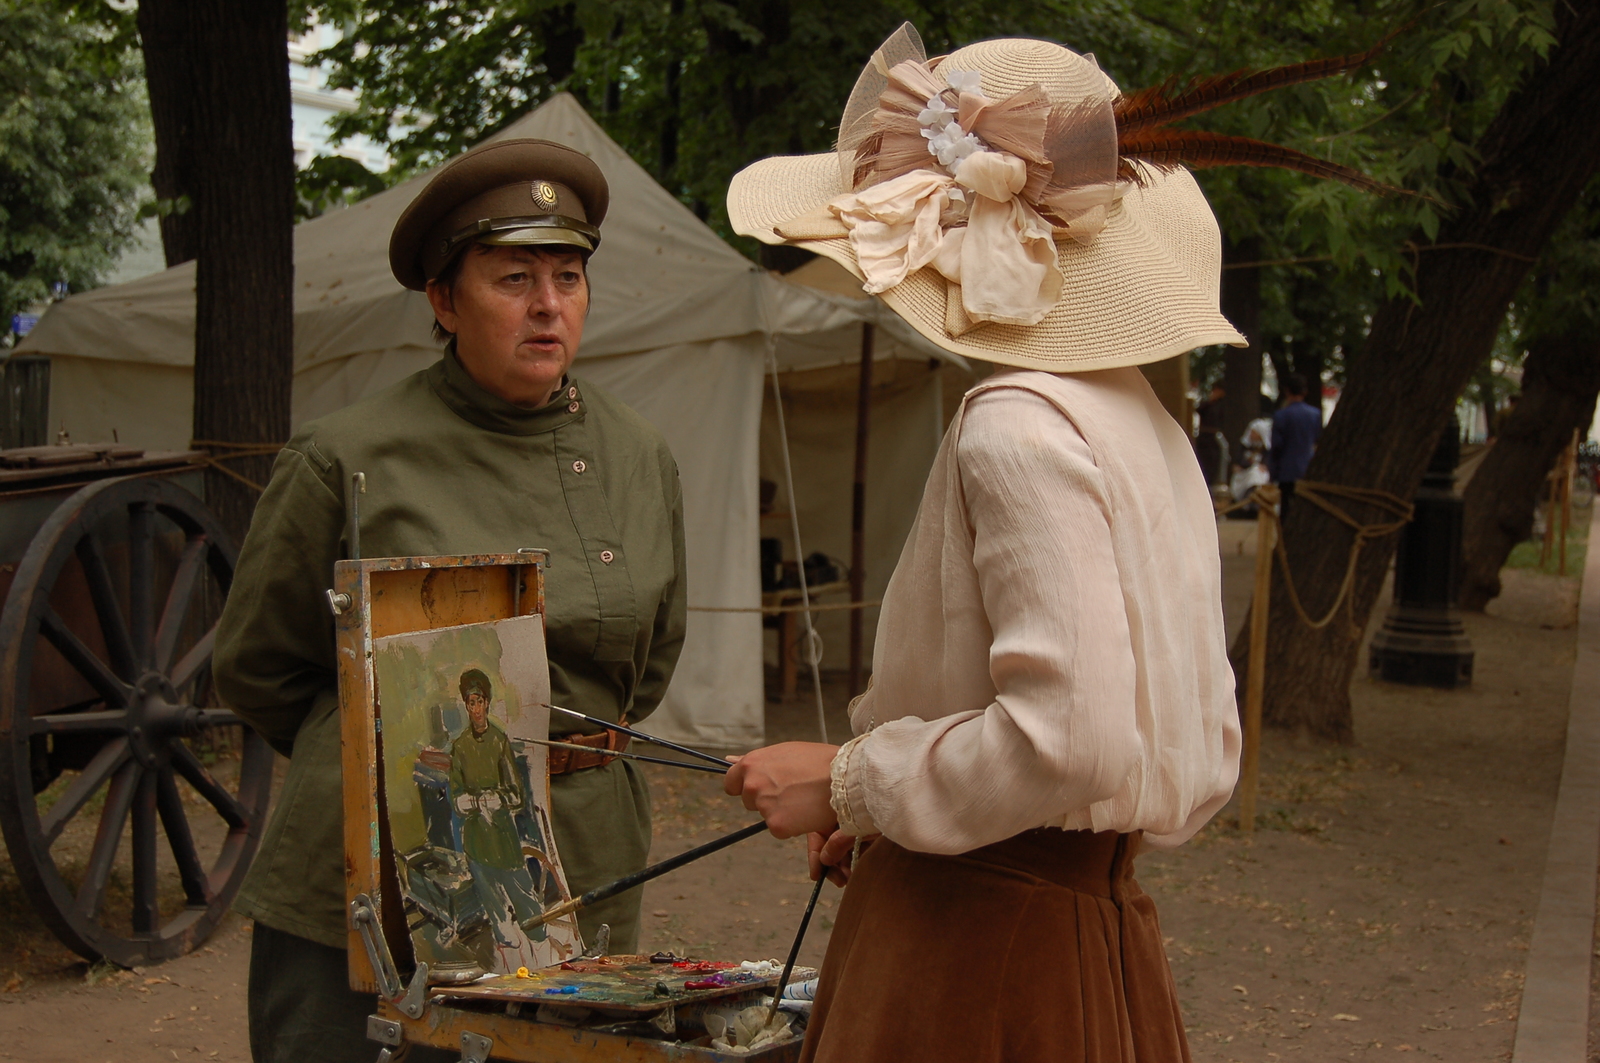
<point>1429,222</point>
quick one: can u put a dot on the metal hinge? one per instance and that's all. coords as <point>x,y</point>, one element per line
<point>416,997</point>
<point>475,1048</point>
<point>384,1031</point>
<point>365,921</point>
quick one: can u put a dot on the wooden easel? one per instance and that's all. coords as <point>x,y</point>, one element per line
<point>390,596</point>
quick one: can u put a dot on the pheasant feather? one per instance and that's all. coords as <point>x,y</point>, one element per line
<point>1167,149</point>
<point>1165,103</point>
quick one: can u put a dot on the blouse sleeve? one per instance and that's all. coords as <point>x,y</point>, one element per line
<point>1061,732</point>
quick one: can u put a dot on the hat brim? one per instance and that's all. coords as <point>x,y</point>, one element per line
<point>1146,289</point>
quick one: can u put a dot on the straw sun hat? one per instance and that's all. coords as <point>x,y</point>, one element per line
<point>1013,206</point>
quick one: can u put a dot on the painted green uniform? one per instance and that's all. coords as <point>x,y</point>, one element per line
<point>482,764</point>
<point>451,469</point>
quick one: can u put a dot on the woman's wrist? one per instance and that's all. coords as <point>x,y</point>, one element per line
<point>844,791</point>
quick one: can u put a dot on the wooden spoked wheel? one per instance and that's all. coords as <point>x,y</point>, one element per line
<point>108,740</point>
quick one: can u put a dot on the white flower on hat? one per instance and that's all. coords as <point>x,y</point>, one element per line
<point>937,114</point>
<point>968,81</point>
<point>952,144</point>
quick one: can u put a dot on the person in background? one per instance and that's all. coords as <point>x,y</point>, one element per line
<point>1295,428</point>
<point>1497,422</point>
<point>1210,446</point>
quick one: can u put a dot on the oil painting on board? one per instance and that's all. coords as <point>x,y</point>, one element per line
<point>468,794</point>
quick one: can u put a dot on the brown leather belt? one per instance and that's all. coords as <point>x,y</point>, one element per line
<point>566,761</point>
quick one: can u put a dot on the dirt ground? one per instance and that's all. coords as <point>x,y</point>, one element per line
<point>1383,905</point>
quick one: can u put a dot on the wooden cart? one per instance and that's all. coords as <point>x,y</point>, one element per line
<point>113,574</point>
<point>388,596</point>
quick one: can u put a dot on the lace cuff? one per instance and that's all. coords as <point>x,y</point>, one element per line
<point>846,798</point>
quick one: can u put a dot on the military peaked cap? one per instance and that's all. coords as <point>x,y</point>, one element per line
<point>516,192</point>
<point>473,681</point>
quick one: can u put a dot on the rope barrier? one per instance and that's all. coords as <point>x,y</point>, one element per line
<point>240,450</point>
<point>1319,494</point>
<point>1269,542</point>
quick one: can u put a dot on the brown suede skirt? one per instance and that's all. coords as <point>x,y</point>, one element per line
<point>1038,948</point>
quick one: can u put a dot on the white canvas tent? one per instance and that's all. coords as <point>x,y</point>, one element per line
<point>682,329</point>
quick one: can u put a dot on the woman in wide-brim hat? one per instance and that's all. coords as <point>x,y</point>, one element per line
<point>1051,689</point>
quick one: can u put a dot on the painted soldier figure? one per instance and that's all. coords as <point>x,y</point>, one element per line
<point>485,785</point>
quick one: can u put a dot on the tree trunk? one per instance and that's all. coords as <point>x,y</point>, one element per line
<point>219,88</point>
<point>1241,366</point>
<point>1560,381</point>
<point>169,75</point>
<point>1536,157</point>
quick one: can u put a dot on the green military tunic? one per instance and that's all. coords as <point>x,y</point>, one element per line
<point>482,764</point>
<point>451,469</point>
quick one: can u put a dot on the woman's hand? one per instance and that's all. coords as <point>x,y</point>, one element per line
<point>788,784</point>
<point>833,854</point>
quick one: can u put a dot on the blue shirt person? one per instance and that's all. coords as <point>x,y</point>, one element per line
<point>1295,429</point>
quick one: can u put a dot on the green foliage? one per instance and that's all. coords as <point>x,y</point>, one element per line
<point>693,89</point>
<point>1563,295</point>
<point>1410,118</point>
<point>697,89</point>
<point>332,181</point>
<point>73,146</point>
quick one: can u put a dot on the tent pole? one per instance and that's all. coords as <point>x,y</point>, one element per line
<point>858,507</point>
<point>813,640</point>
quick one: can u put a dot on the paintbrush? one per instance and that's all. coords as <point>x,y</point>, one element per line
<point>627,882</point>
<point>552,743</point>
<point>794,950</point>
<point>641,736</point>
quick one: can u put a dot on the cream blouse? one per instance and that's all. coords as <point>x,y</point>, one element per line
<point>1051,650</point>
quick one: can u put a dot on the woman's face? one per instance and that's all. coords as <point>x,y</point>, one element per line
<point>517,314</point>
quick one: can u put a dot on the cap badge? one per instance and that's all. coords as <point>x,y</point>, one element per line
<point>544,195</point>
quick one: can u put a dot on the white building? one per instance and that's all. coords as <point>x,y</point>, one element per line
<point>312,103</point>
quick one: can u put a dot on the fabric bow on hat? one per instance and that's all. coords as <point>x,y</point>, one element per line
<point>982,190</point>
<point>979,189</point>
<point>1012,204</point>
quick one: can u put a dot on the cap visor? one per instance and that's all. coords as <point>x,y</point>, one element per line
<point>541,236</point>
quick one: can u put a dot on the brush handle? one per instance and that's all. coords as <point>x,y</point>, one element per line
<point>641,736</point>
<point>722,770</point>
<point>627,882</point>
<point>794,950</point>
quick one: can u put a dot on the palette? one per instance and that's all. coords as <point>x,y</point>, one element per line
<point>633,984</point>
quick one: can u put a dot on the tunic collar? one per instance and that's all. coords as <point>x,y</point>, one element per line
<point>457,390</point>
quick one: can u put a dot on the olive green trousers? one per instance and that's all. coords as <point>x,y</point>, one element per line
<point>302,1009</point>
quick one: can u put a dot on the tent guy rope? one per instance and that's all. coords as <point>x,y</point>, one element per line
<point>813,640</point>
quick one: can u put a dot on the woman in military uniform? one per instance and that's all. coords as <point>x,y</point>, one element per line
<point>493,448</point>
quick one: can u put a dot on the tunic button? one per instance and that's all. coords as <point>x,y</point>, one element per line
<point>578,466</point>
<point>607,556</point>
<point>572,407</point>
<point>572,393</point>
